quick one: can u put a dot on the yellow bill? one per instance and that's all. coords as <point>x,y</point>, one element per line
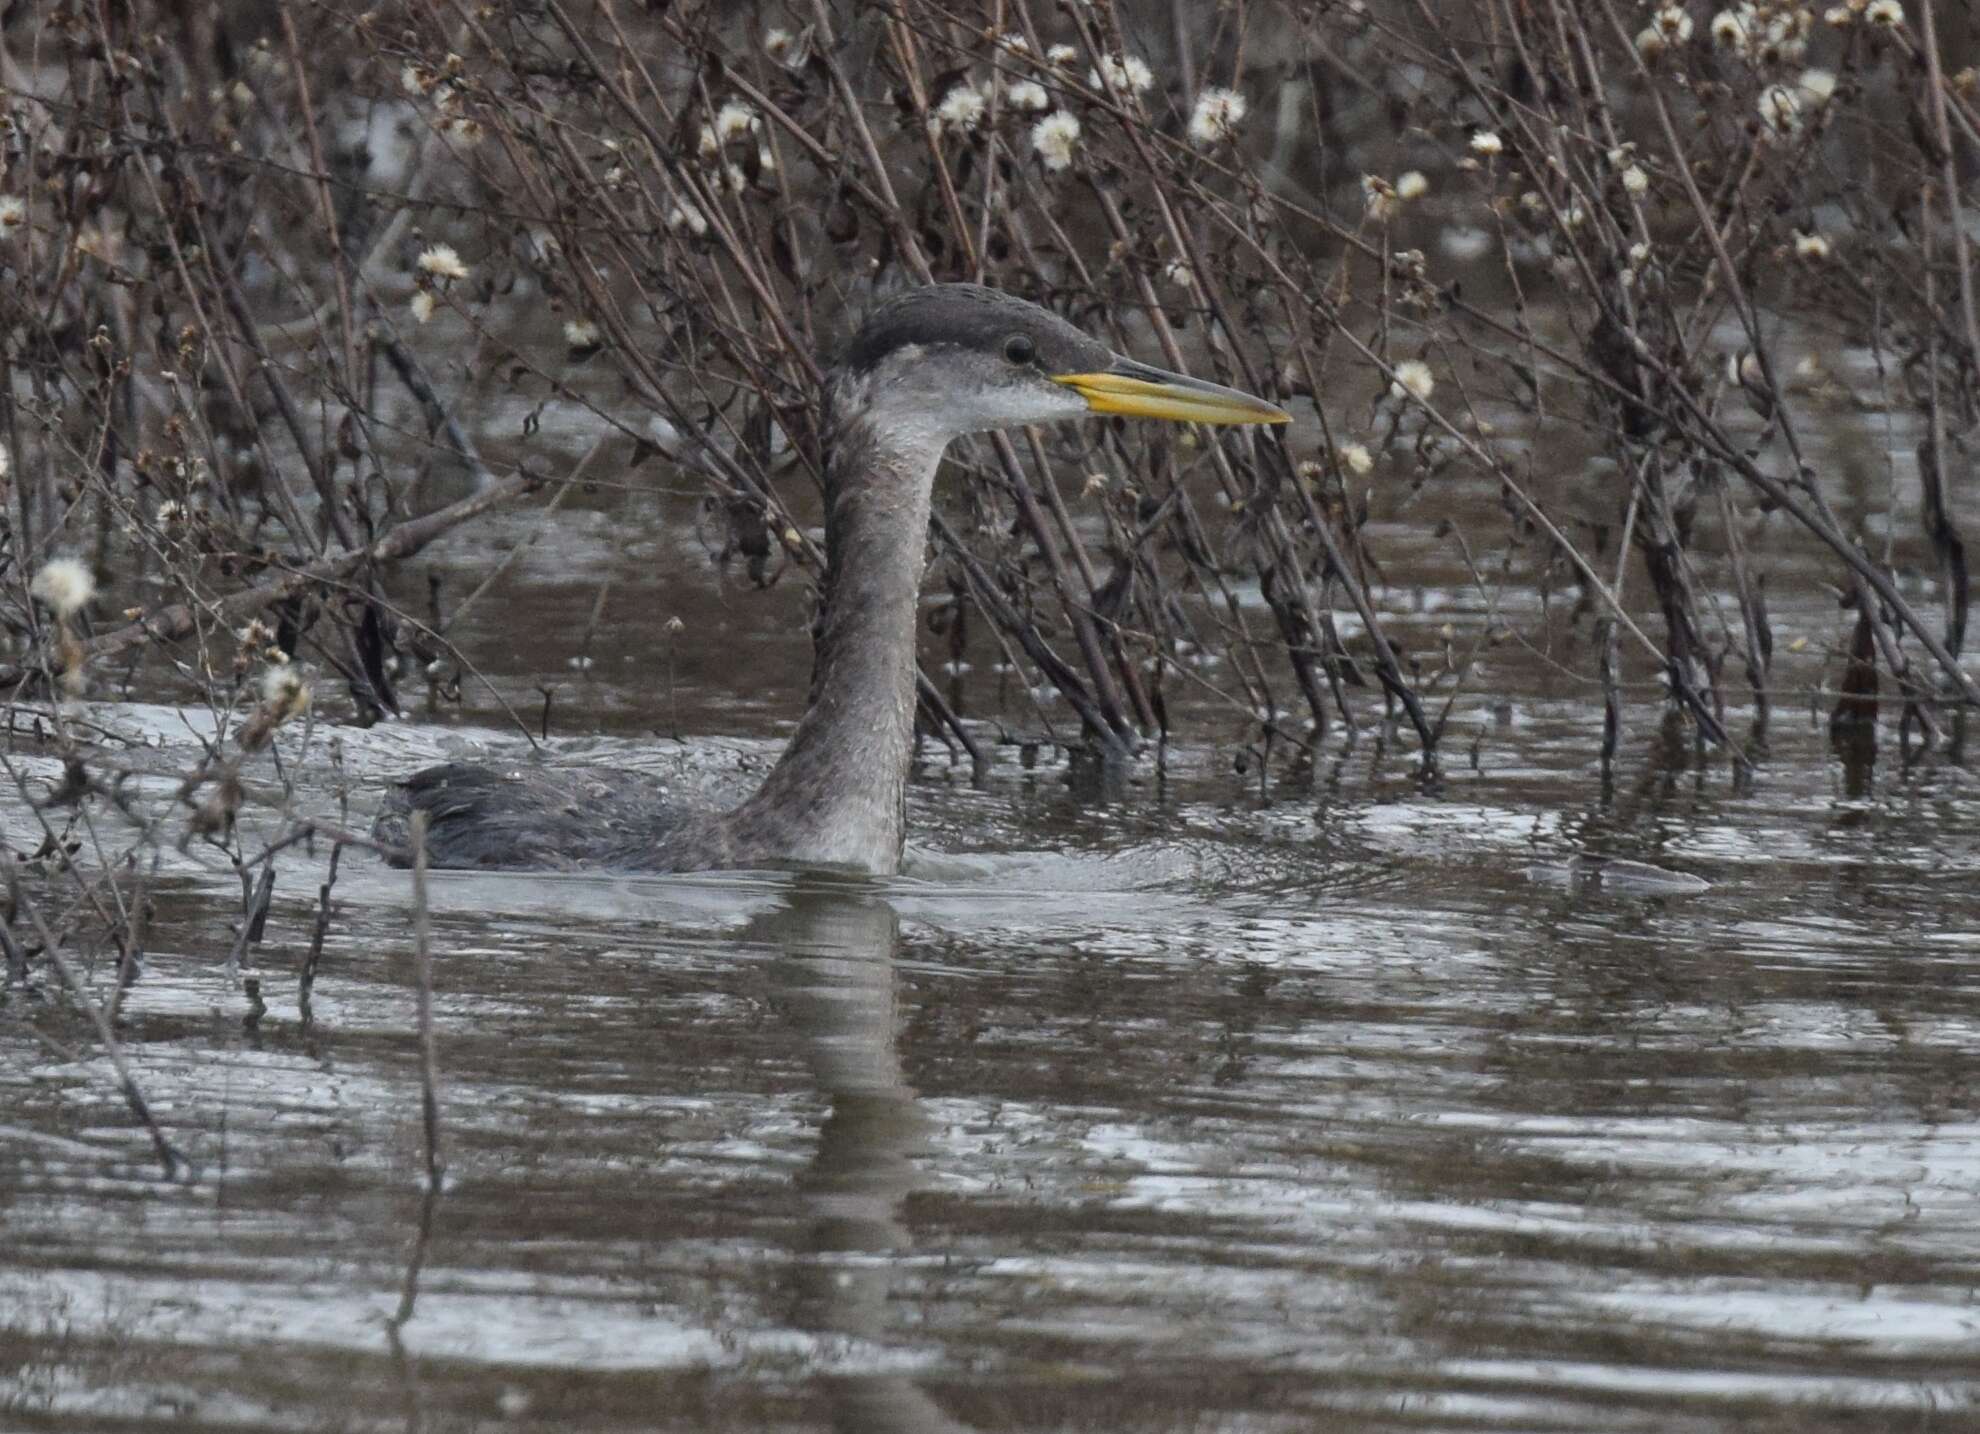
<point>1137,390</point>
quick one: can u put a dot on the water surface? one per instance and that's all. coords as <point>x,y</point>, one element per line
<point>1353,1101</point>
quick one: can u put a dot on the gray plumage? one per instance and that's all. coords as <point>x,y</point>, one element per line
<point>927,367</point>
<point>972,317</point>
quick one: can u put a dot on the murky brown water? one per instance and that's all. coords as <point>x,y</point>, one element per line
<point>1353,1107</point>
<point>1171,1103</point>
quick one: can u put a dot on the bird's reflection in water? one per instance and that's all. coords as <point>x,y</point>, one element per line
<point>836,986</point>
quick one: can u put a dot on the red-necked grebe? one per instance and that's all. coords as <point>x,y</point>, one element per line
<point>927,367</point>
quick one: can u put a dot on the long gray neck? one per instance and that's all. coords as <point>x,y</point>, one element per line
<point>837,794</point>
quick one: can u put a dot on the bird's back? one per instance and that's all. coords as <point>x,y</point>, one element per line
<point>533,817</point>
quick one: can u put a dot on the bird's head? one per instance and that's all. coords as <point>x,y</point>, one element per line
<point>950,359</point>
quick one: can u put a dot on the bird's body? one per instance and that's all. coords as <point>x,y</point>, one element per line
<point>928,367</point>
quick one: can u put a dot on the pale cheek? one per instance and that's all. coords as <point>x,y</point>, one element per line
<point>1013,407</point>
<point>1059,403</point>
<point>916,411</point>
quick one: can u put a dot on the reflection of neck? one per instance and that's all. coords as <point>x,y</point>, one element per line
<point>836,985</point>
<point>836,794</point>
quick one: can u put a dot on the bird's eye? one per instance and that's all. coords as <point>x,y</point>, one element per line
<point>1020,349</point>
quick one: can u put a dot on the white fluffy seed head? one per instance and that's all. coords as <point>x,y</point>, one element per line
<point>442,262</point>
<point>1779,110</point>
<point>1413,380</point>
<point>960,112</point>
<point>1027,95</point>
<point>1411,185</point>
<point>734,120</point>
<point>1216,117</point>
<point>423,305</point>
<point>1054,138</point>
<point>1887,13</point>
<point>1487,143</point>
<point>1817,87</point>
<point>1729,29</point>
<point>1356,458</point>
<point>1125,75</point>
<point>64,585</point>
